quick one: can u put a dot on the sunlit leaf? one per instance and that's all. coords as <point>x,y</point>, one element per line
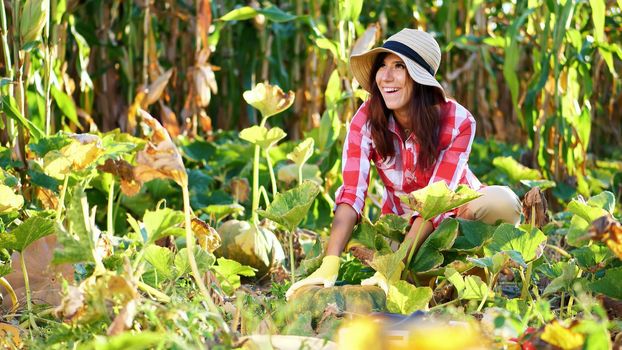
<point>469,287</point>
<point>9,200</point>
<point>429,254</point>
<point>473,235</point>
<point>261,136</point>
<point>608,230</point>
<point>161,259</point>
<point>269,99</point>
<point>156,88</point>
<point>291,207</point>
<point>404,298</point>
<point>29,231</point>
<point>515,171</point>
<point>239,14</point>
<point>77,242</point>
<point>204,261</point>
<point>161,223</point>
<point>437,198</point>
<point>289,173</point>
<point>591,256</point>
<point>32,19</point>
<point>66,104</point>
<point>562,337</point>
<point>275,14</point>
<point>565,280</point>
<point>228,273</point>
<point>543,184</point>
<point>525,239</point>
<point>207,236</point>
<point>302,152</point>
<point>498,261</point>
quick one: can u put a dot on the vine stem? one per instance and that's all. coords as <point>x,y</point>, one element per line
<point>154,292</point>
<point>110,208</point>
<point>292,263</point>
<point>7,286</point>
<point>272,177</point>
<point>412,249</point>
<point>61,201</point>
<point>27,286</point>
<point>193,264</point>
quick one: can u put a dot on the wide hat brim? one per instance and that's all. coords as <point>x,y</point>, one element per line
<point>361,66</point>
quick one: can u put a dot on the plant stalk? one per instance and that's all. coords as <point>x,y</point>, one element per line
<point>292,264</point>
<point>10,123</point>
<point>61,201</point>
<point>255,205</point>
<point>526,282</point>
<point>110,220</point>
<point>7,286</point>
<point>412,249</point>
<point>272,177</point>
<point>47,64</point>
<point>193,264</point>
<point>154,292</point>
<point>26,282</point>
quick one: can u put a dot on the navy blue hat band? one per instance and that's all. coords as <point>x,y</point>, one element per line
<point>408,52</point>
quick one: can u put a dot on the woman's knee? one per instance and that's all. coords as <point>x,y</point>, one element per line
<point>496,203</point>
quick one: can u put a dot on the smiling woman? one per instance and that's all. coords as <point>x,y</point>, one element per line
<point>416,137</point>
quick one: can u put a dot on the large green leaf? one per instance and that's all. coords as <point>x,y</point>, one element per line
<point>268,99</point>
<point>392,226</point>
<point>9,107</point>
<point>404,298</point>
<point>598,17</point>
<point>27,232</point>
<point>437,198</point>
<point>429,255</point>
<point>291,207</point>
<point>76,243</point>
<point>161,259</point>
<point>261,136</point>
<point>589,257</point>
<point>204,259</point>
<point>161,223</point>
<point>609,285</point>
<point>228,273</point>
<point>469,287</point>
<point>525,239</point>
<point>498,261</point>
<point>577,232</point>
<point>473,235</point>
<point>586,211</point>
<point>515,170</point>
<point>302,152</point>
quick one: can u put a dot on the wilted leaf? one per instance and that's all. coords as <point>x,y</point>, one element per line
<point>608,230</point>
<point>160,158</point>
<point>240,189</point>
<point>125,172</point>
<point>9,201</point>
<point>9,336</point>
<point>228,273</point>
<point>429,255</point>
<point>221,211</point>
<point>269,99</point>
<point>123,321</point>
<point>261,136</point>
<point>391,265</point>
<point>525,239</point>
<point>289,173</point>
<point>207,236</point>
<point>156,88</point>
<point>302,152</point>
<point>562,337</point>
<point>404,298</point>
<point>535,207</point>
<point>82,151</point>
<point>169,121</point>
<point>291,207</point>
<point>437,198</point>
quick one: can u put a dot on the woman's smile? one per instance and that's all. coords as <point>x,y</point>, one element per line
<point>394,83</point>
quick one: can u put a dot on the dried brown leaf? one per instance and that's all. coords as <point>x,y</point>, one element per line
<point>123,321</point>
<point>10,337</point>
<point>169,121</point>
<point>125,172</point>
<point>46,197</point>
<point>72,306</point>
<point>535,207</point>
<point>240,189</point>
<point>204,21</point>
<point>607,229</point>
<point>160,158</point>
<point>156,88</point>
<point>367,40</point>
<point>206,235</point>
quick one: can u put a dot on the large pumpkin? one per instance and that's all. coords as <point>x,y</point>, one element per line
<point>251,245</point>
<point>354,299</point>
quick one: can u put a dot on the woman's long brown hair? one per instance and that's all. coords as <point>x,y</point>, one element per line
<point>424,122</point>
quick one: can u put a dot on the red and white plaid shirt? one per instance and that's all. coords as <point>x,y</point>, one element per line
<point>399,173</point>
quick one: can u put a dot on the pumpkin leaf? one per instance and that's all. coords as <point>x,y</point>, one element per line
<point>9,201</point>
<point>269,99</point>
<point>77,243</point>
<point>576,235</point>
<point>609,285</point>
<point>391,226</point>
<point>29,231</point>
<point>161,259</point>
<point>261,136</point>
<point>404,298</point>
<point>161,223</point>
<point>473,235</point>
<point>515,170</point>
<point>469,287</point>
<point>291,207</point>
<point>437,198</point>
<point>498,261</point>
<point>588,257</point>
<point>429,255</point>
<point>302,152</point>
<point>526,240</point>
<point>205,261</point>
<point>542,184</point>
<point>565,281</point>
<point>391,265</point>
<point>228,273</point>
<point>562,337</point>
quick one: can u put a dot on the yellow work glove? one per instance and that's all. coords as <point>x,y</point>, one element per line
<point>326,274</point>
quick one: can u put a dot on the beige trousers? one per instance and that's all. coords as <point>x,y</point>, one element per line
<point>496,203</point>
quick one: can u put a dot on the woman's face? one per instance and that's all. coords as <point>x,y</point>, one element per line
<point>395,83</point>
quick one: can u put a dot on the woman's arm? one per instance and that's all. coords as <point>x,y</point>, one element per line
<point>425,232</point>
<point>341,230</point>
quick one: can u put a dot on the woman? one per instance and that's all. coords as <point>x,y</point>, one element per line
<point>415,136</point>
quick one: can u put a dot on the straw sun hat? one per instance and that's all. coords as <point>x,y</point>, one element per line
<point>418,49</point>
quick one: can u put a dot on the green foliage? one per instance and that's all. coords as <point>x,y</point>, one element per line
<point>525,239</point>
<point>430,254</point>
<point>228,273</point>
<point>468,287</point>
<point>609,284</point>
<point>437,198</point>
<point>404,298</point>
<point>29,231</point>
<point>291,207</point>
